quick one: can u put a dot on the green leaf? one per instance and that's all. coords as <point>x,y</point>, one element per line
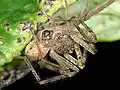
<point>12,43</point>
<point>12,11</point>
<point>106,24</point>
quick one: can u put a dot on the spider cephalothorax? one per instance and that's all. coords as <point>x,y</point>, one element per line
<point>59,40</point>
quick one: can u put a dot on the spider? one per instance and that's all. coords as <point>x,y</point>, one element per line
<point>69,64</point>
<point>55,45</point>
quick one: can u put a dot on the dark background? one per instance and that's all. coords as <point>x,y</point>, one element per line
<point>101,71</point>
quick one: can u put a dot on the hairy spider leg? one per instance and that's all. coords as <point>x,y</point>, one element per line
<point>37,77</point>
<point>98,9</point>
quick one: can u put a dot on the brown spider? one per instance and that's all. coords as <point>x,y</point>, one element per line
<point>59,40</point>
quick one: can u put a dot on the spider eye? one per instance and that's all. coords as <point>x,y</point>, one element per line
<point>47,34</point>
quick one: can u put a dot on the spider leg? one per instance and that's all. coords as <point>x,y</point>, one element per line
<point>80,57</point>
<point>28,63</point>
<point>57,78</point>
<point>84,56</point>
<point>64,63</point>
<point>67,16</point>
<point>98,9</point>
<point>37,77</point>
<point>88,33</point>
<point>56,68</point>
<point>84,11</point>
<point>59,59</point>
<point>49,65</point>
<point>71,59</point>
<point>53,79</point>
<point>76,36</point>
